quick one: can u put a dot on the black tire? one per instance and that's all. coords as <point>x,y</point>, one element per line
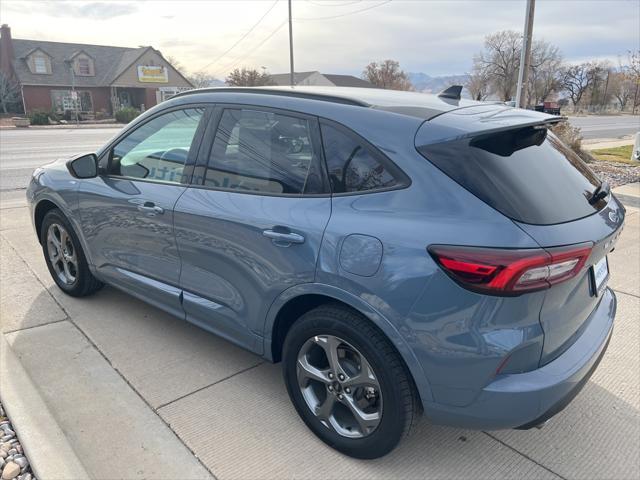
<point>400,403</point>
<point>84,282</point>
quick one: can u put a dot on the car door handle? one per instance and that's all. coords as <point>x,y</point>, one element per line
<point>150,208</point>
<point>283,239</point>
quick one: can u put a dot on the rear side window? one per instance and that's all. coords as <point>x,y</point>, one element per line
<point>354,167</point>
<point>264,152</point>
<point>527,174</point>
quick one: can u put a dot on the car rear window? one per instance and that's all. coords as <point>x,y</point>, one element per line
<point>527,174</point>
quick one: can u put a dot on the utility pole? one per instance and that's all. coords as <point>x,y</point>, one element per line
<point>291,73</point>
<point>525,56</point>
<point>603,103</point>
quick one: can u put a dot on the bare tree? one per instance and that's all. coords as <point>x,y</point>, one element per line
<point>246,77</point>
<point>622,87</point>
<point>387,74</point>
<point>202,79</point>
<point>500,60</point>
<point>9,92</point>
<point>544,75</point>
<point>599,93</point>
<point>576,79</point>
<point>633,71</point>
<point>479,84</point>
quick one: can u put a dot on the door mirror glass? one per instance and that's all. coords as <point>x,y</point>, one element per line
<point>85,166</point>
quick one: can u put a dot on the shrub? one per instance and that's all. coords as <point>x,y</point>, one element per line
<point>38,117</point>
<point>572,138</point>
<point>125,115</point>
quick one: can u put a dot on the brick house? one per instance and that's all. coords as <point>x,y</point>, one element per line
<point>61,77</point>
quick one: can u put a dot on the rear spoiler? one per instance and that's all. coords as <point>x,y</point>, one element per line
<point>483,119</point>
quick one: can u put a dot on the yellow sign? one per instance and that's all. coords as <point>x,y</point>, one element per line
<point>152,74</point>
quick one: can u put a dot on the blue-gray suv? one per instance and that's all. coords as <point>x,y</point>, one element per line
<point>399,252</point>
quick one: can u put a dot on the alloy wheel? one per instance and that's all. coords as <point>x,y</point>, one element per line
<point>339,386</point>
<point>62,254</point>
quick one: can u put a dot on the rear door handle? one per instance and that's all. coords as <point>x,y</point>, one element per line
<point>283,239</point>
<point>150,208</point>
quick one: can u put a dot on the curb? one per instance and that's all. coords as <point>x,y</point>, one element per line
<point>45,444</point>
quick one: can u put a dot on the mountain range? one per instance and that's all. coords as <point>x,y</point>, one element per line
<point>428,84</point>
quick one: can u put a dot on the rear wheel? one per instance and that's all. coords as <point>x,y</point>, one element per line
<point>347,382</point>
<point>64,256</point>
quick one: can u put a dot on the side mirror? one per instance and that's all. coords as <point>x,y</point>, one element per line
<point>84,166</point>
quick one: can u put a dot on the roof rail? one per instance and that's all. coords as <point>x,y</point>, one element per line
<point>278,92</point>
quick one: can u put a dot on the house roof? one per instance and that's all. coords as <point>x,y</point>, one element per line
<point>109,62</point>
<point>104,57</point>
<point>283,79</point>
<point>348,81</point>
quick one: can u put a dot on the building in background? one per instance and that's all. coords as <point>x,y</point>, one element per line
<point>62,77</point>
<point>320,79</point>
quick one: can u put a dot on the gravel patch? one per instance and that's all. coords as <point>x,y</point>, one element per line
<point>13,463</point>
<point>616,173</point>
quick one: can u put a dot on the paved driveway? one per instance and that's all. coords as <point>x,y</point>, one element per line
<point>162,399</point>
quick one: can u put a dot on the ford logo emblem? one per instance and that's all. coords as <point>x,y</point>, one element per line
<point>613,216</point>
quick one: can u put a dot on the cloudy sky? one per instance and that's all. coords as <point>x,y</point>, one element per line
<point>333,36</point>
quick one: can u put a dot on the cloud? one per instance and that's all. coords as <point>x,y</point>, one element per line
<point>434,37</point>
<point>91,10</point>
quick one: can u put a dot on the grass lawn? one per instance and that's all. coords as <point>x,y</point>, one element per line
<point>615,154</point>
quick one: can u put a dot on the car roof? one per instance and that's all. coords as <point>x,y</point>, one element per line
<point>421,105</point>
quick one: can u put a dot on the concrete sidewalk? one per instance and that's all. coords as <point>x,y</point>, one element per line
<point>140,394</point>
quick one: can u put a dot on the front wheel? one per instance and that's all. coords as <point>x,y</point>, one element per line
<point>347,382</point>
<point>64,256</point>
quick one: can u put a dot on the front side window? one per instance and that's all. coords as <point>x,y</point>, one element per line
<point>158,149</point>
<point>353,167</point>
<point>264,152</point>
<point>40,64</point>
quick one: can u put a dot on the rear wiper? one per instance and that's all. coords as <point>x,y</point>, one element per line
<point>599,193</point>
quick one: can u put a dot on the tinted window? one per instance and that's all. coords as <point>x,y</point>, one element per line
<point>352,166</point>
<point>256,151</point>
<point>525,173</point>
<point>158,149</point>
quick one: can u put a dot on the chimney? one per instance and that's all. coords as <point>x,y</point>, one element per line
<point>6,51</point>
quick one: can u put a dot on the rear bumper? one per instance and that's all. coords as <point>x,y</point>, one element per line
<point>527,399</point>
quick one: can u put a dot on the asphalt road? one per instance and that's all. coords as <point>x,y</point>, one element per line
<point>607,126</point>
<point>23,150</point>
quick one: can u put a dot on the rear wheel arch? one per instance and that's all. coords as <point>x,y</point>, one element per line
<point>284,314</point>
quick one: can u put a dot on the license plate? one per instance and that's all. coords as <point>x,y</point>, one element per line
<point>600,275</point>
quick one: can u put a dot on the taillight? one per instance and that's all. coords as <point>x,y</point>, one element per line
<point>499,271</point>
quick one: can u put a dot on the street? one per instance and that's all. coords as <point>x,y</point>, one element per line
<point>606,126</point>
<point>23,150</point>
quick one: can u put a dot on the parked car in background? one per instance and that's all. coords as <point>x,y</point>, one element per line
<point>552,108</point>
<point>398,252</point>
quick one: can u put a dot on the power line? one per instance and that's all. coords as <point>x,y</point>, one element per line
<point>238,60</point>
<point>241,38</point>
<point>353,12</point>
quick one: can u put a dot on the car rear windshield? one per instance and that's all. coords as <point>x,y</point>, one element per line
<point>526,173</point>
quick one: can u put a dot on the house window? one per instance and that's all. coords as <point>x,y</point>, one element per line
<point>84,66</point>
<point>65,101</point>
<point>40,64</point>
